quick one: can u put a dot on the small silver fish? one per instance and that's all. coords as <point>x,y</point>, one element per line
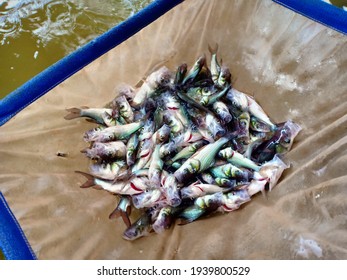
<point>200,161</point>
<point>109,150</point>
<point>110,171</point>
<point>152,82</point>
<point>123,210</point>
<point>198,189</point>
<point>118,132</point>
<point>95,114</point>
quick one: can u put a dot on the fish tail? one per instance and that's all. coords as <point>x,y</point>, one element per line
<point>120,213</point>
<point>89,153</point>
<point>90,180</point>
<point>73,113</point>
<point>213,50</point>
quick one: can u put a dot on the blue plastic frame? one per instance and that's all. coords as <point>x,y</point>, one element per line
<point>13,242</point>
<point>64,68</point>
<point>320,11</point>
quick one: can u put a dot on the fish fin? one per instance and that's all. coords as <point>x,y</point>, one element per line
<point>85,150</point>
<point>73,113</point>
<point>140,82</point>
<point>119,213</point>
<point>128,210</point>
<point>213,50</point>
<point>91,121</point>
<point>114,214</point>
<point>125,218</point>
<point>90,180</point>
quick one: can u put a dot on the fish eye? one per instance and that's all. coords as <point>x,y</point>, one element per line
<point>243,122</point>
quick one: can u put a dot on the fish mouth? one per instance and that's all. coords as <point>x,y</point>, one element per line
<point>129,235</point>
<point>176,201</point>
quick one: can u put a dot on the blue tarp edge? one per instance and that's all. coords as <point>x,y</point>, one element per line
<point>13,242</point>
<point>64,68</point>
<point>319,11</point>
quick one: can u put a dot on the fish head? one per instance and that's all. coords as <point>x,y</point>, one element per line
<point>258,125</point>
<point>140,228</point>
<point>172,193</point>
<point>160,77</point>
<point>163,134</point>
<point>272,171</point>
<point>237,99</point>
<point>234,199</point>
<point>226,153</point>
<point>164,220</point>
<point>224,182</point>
<point>209,202</point>
<point>285,139</point>
<point>224,76</point>
<point>147,130</point>
<point>244,120</point>
<point>126,90</point>
<point>204,100</point>
<point>182,174</point>
<point>92,134</point>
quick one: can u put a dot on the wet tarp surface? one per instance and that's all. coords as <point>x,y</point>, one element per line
<point>294,67</point>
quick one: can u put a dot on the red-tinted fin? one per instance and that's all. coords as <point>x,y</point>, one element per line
<point>119,213</point>
<point>90,180</point>
<point>128,210</point>
<point>73,113</point>
<point>125,218</point>
<point>114,214</point>
<point>85,150</point>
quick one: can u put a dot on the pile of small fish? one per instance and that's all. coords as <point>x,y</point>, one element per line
<point>181,146</point>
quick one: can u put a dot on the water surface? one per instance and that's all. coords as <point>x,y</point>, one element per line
<point>36,33</point>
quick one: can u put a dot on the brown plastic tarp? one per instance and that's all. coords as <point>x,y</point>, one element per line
<point>295,68</point>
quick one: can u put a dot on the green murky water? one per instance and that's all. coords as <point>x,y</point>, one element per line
<point>36,33</point>
<point>339,3</point>
<point>2,257</point>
